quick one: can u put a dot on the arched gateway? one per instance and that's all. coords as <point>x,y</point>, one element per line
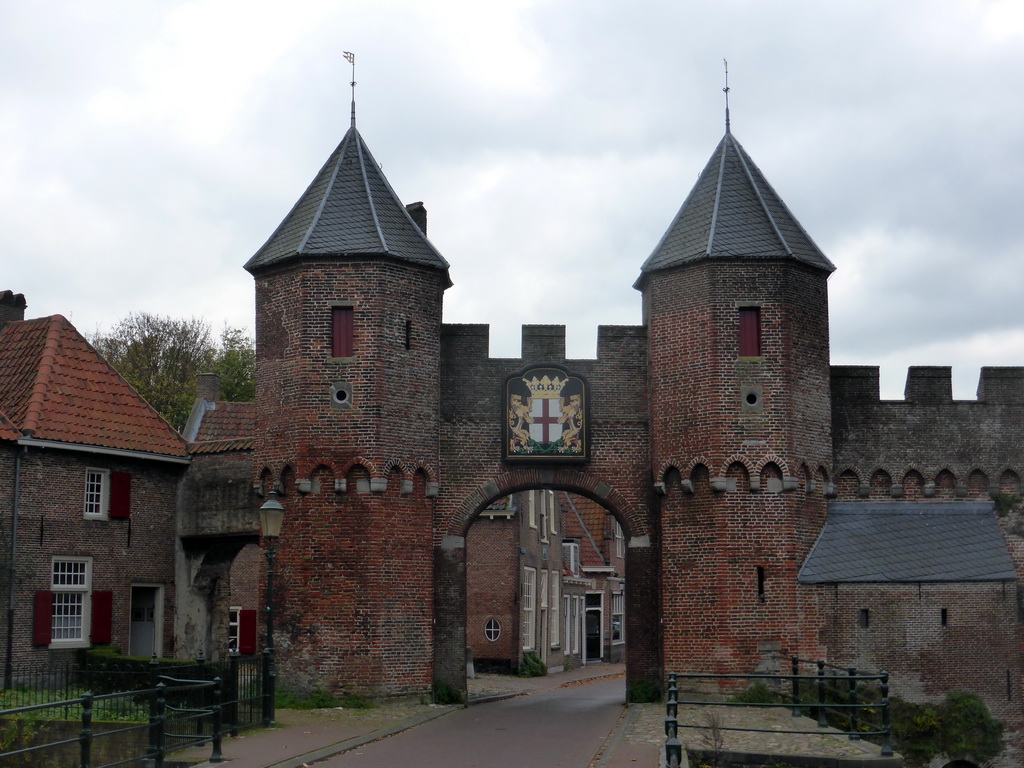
<point>705,431</point>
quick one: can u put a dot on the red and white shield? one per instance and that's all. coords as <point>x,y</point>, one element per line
<point>546,412</point>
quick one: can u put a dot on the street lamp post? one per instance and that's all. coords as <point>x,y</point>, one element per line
<point>271,517</point>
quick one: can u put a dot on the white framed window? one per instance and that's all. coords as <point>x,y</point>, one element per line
<point>571,556</point>
<point>555,606</point>
<point>544,514</point>
<point>567,625</point>
<point>620,541</point>
<point>492,630</point>
<point>97,493</point>
<point>528,594</point>
<point>618,610</point>
<point>234,621</point>
<point>70,585</point>
<point>543,589</point>
<point>577,622</point>
<point>531,503</point>
<point>553,517</point>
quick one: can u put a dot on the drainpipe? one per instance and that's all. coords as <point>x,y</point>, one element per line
<point>9,654</point>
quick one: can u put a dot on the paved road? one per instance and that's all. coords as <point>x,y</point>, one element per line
<point>562,728</point>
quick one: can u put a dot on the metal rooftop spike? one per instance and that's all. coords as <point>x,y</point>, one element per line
<point>349,210</point>
<point>733,213</point>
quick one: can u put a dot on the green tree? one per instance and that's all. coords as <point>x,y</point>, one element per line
<point>162,358</point>
<point>235,363</point>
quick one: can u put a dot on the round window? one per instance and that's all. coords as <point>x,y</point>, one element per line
<point>492,630</point>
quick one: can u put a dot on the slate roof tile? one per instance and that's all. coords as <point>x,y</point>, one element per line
<point>349,209</point>
<point>908,542</point>
<point>55,386</point>
<point>733,213</point>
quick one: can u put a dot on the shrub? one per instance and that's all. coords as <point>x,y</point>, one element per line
<point>960,727</point>
<point>445,694</point>
<point>642,691</point>
<point>532,666</point>
<point>758,693</point>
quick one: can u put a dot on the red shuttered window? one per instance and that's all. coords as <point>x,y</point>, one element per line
<point>102,617</point>
<point>750,331</point>
<point>341,331</point>
<point>247,631</point>
<point>120,494</point>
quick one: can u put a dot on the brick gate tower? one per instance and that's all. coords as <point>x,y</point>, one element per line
<point>736,310</point>
<point>348,318</point>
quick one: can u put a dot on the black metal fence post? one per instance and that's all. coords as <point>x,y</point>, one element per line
<point>796,685</point>
<point>160,725</point>
<point>85,737</point>
<point>886,724</point>
<point>216,756</point>
<point>232,693</point>
<point>673,746</point>
<point>854,735</point>
<point>822,722</point>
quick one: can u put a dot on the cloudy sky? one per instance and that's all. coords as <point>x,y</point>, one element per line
<point>147,149</point>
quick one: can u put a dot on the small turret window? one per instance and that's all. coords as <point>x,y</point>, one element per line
<point>342,331</point>
<point>750,331</point>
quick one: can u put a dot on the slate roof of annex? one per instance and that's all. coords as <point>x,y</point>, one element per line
<point>349,210</point>
<point>55,386</point>
<point>732,212</point>
<point>908,542</point>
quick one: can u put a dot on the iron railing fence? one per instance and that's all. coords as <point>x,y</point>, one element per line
<point>182,704</point>
<point>852,702</point>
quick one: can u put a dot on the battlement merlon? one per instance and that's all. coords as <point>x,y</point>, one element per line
<point>926,385</point>
<point>1001,384</point>
<point>465,342</point>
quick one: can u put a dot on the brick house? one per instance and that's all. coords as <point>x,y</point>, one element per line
<point>89,488</point>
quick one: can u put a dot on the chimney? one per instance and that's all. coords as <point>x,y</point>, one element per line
<point>208,387</point>
<point>12,307</point>
<point>419,215</point>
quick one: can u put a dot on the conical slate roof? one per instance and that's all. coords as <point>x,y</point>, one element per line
<point>348,210</point>
<point>733,213</point>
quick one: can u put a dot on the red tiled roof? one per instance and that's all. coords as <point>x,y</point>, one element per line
<point>228,421</point>
<point>574,527</point>
<point>55,386</point>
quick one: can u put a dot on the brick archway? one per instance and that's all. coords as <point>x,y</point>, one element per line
<point>643,651</point>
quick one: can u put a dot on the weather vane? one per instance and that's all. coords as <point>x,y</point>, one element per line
<point>726,91</point>
<point>351,59</point>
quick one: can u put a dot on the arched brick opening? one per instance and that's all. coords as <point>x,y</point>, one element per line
<point>643,653</point>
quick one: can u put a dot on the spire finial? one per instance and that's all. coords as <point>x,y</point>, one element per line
<point>351,59</point>
<point>726,91</point>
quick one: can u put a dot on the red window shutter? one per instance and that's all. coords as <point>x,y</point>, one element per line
<point>247,631</point>
<point>341,331</point>
<point>750,332</point>
<point>120,494</point>
<point>42,620</point>
<point>102,622</point>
